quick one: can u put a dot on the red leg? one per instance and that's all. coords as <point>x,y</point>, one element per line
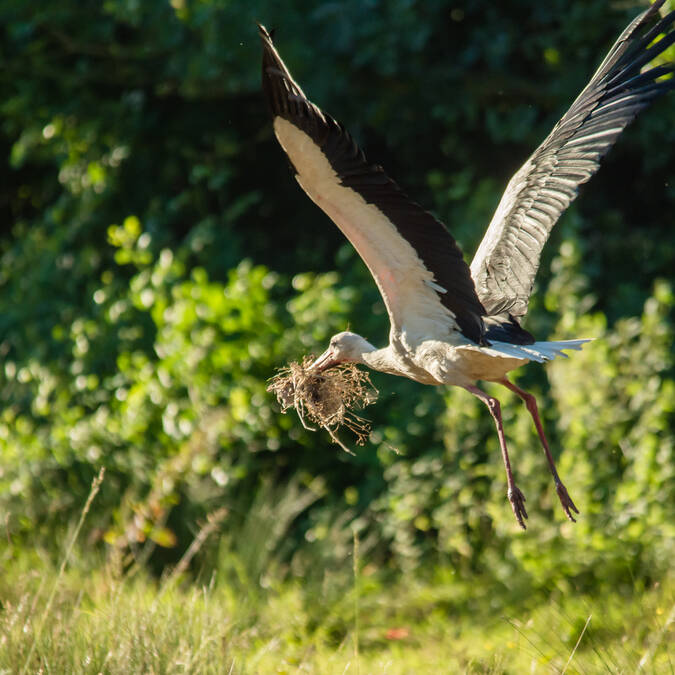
<point>514,494</point>
<point>531,404</point>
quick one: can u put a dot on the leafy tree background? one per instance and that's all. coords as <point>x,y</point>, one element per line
<point>159,263</point>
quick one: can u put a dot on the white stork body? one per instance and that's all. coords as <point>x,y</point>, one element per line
<point>451,324</point>
<point>425,343</point>
<point>433,361</point>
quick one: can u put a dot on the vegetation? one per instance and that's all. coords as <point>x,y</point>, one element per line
<point>159,264</point>
<point>128,624</point>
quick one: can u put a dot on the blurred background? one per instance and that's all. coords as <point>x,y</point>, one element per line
<point>159,263</point>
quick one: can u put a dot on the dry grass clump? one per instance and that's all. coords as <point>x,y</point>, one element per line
<point>327,398</point>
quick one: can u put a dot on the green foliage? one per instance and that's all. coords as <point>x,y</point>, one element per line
<point>163,421</point>
<point>159,263</point>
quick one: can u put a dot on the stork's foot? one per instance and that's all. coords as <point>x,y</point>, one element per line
<point>566,501</point>
<point>517,499</point>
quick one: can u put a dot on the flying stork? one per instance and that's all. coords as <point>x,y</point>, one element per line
<point>450,323</point>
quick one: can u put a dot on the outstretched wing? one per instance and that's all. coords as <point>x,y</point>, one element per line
<point>417,265</point>
<point>508,257</point>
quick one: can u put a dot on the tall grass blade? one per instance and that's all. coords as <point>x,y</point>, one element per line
<point>95,486</point>
<point>569,660</point>
<point>356,600</point>
<point>213,520</point>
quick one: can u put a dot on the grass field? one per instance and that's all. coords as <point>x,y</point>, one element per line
<point>92,618</point>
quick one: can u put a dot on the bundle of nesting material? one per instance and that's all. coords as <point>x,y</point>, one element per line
<point>326,398</point>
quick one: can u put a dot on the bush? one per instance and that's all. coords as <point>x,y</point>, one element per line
<point>142,172</point>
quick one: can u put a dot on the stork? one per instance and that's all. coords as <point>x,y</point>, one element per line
<point>452,323</point>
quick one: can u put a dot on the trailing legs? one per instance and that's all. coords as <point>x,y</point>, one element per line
<point>514,494</point>
<point>531,404</point>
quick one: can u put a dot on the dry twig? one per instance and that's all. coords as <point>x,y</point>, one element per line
<point>327,398</point>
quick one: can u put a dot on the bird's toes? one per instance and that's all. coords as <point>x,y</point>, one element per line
<point>517,499</point>
<point>566,501</point>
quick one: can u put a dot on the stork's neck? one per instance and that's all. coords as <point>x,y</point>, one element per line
<point>390,361</point>
<point>380,359</point>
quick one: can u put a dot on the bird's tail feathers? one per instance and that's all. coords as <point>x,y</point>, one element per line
<point>538,351</point>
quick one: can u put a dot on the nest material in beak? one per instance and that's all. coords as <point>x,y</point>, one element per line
<point>327,398</point>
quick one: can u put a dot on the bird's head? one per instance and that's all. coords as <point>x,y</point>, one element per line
<point>344,347</point>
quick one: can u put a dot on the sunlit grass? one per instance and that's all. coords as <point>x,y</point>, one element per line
<point>83,612</point>
<point>100,621</point>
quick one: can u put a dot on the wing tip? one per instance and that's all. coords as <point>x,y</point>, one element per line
<point>265,35</point>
